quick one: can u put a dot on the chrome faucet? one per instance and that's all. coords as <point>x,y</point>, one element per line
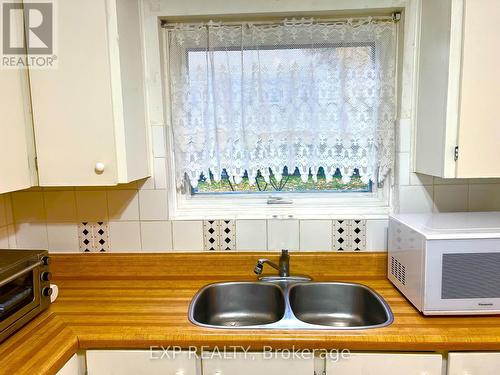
<point>283,267</point>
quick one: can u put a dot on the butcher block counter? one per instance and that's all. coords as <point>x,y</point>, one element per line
<point>141,300</point>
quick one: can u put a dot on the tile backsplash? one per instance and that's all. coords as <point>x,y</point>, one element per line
<point>134,217</point>
<point>130,218</point>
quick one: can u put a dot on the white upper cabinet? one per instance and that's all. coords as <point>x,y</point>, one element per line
<point>458,115</point>
<point>89,112</point>
<point>16,138</point>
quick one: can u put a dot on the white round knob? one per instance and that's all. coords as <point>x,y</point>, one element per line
<point>99,168</point>
<point>180,372</point>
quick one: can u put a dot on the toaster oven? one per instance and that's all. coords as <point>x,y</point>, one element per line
<point>24,288</point>
<point>447,263</point>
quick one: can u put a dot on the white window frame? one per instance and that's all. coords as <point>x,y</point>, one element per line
<point>328,205</point>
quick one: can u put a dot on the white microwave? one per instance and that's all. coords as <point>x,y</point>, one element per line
<point>447,263</point>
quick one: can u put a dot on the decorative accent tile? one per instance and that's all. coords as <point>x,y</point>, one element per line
<point>341,235</point>
<point>349,235</point>
<point>93,237</point>
<point>358,235</point>
<point>101,237</point>
<point>227,230</point>
<point>219,235</point>
<point>85,240</point>
<point>211,235</point>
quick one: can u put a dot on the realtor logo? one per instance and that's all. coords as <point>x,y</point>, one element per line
<point>28,31</point>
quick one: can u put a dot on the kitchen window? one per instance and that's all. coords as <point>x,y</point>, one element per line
<point>289,117</point>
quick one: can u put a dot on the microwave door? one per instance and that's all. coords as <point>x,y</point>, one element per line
<point>462,277</point>
<point>18,295</point>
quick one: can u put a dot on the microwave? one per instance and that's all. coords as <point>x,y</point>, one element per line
<point>24,288</point>
<point>447,263</point>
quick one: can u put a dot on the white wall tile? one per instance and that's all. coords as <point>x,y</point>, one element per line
<point>404,135</point>
<point>3,211</point>
<point>123,205</point>
<point>31,236</point>
<point>484,197</point>
<point>376,235</point>
<point>62,237</point>
<point>91,205</point>
<point>60,206</point>
<point>403,168</point>
<point>451,198</point>
<point>4,238</point>
<point>158,139</point>
<point>11,230</point>
<point>187,235</point>
<point>28,207</point>
<point>146,184</point>
<point>160,173</point>
<point>450,181</point>
<point>251,235</point>
<point>124,236</point>
<point>418,179</point>
<point>156,235</point>
<point>415,199</point>
<point>9,213</point>
<point>316,235</point>
<point>153,205</point>
<point>283,234</point>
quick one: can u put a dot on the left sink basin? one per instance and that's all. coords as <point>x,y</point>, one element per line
<point>237,304</point>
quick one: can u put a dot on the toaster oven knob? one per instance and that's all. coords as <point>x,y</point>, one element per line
<point>46,276</point>
<point>47,292</point>
<point>45,260</point>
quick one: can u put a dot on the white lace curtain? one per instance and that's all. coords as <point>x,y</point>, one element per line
<point>298,94</point>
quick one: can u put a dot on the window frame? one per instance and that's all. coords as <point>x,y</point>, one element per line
<point>315,205</point>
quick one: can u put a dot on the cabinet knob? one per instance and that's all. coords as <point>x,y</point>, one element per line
<point>99,168</point>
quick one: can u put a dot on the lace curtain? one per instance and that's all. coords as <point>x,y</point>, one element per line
<point>298,94</point>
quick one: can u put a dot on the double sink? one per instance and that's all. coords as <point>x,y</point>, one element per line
<point>289,303</point>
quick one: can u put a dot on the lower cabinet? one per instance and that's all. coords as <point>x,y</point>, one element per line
<point>255,363</point>
<point>474,363</point>
<point>175,362</point>
<point>75,365</point>
<point>385,364</point>
<point>141,362</point>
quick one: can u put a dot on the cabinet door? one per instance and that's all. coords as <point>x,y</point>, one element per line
<point>473,363</point>
<point>72,103</point>
<point>75,366</point>
<point>141,362</point>
<point>385,364</point>
<point>479,130</point>
<point>255,363</point>
<point>16,142</point>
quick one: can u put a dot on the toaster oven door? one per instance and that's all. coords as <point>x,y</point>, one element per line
<point>462,277</point>
<point>19,294</point>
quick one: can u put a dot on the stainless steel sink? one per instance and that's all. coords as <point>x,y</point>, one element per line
<point>289,303</point>
<point>339,305</point>
<point>238,304</point>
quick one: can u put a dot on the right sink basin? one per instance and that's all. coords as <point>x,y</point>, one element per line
<point>339,305</point>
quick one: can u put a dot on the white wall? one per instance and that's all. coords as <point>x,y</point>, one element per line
<point>136,215</point>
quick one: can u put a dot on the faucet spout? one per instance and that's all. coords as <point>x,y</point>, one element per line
<point>283,268</point>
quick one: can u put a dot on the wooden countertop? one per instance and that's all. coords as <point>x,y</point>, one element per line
<point>141,300</point>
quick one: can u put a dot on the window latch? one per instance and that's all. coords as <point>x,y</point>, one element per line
<point>278,200</point>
